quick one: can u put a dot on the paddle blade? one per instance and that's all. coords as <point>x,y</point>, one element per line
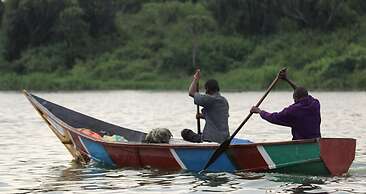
<point>217,153</point>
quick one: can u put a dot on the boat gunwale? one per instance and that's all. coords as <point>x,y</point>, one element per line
<point>198,145</point>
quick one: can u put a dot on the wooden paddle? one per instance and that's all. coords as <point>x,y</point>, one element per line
<point>194,51</point>
<point>198,111</point>
<point>226,143</point>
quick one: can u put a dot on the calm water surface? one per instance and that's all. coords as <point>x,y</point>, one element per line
<point>32,160</point>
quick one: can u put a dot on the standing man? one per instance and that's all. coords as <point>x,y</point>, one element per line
<point>303,116</point>
<point>215,112</point>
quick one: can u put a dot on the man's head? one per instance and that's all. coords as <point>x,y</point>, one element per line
<point>212,86</point>
<point>299,93</point>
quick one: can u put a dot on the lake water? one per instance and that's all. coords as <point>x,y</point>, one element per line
<point>32,160</point>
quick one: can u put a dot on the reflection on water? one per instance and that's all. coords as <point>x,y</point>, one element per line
<point>33,161</point>
<point>71,173</point>
<point>298,179</point>
<point>303,188</point>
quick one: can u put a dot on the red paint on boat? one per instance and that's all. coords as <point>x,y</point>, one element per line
<point>248,158</point>
<point>123,156</point>
<point>136,156</point>
<point>337,154</point>
<point>160,158</point>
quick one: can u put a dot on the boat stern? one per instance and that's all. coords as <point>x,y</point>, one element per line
<point>337,154</point>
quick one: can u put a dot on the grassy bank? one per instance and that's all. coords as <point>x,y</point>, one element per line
<point>49,82</point>
<point>333,61</point>
<point>235,80</point>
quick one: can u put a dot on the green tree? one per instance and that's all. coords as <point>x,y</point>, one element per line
<point>325,14</point>
<point>29,23</point>
<point>1,12</point>
<point>197,25</point>
<point>100,15</point>
<point>72,31</point>
<point>15,31</point>
<point>128,6</point>
<point>43,59</point>
<point>245,16</point>
<point>359,6</point>
<point>263,16</point>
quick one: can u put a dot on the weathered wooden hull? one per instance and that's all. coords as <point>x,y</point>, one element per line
<point>324,156</point>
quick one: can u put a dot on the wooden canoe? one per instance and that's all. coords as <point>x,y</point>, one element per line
<point>323,156</point>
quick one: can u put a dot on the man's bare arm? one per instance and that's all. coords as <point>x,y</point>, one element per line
<point>193,87</point>
<point>283,75</point>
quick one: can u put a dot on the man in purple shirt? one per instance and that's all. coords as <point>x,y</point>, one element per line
<point>303,116</point>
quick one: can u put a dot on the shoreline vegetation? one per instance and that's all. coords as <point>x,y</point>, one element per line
<point>49,82</point>
<point>147,44</point>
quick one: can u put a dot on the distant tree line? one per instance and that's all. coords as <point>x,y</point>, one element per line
<point>116,39</point>
<point>1,12</point>
<point>266,16</point>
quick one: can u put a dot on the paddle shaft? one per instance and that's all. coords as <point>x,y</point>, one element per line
<point>257,105</point>
<point>198,119</point>
<point>226,143</point>
<point>194,50</point>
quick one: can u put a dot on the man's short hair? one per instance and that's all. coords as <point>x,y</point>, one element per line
<point>300,92</point>
<point>212,86</point>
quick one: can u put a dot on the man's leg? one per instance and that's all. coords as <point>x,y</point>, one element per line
<point>191,136</point>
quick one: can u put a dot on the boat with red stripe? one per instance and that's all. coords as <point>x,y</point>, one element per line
<point>82,136</point>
